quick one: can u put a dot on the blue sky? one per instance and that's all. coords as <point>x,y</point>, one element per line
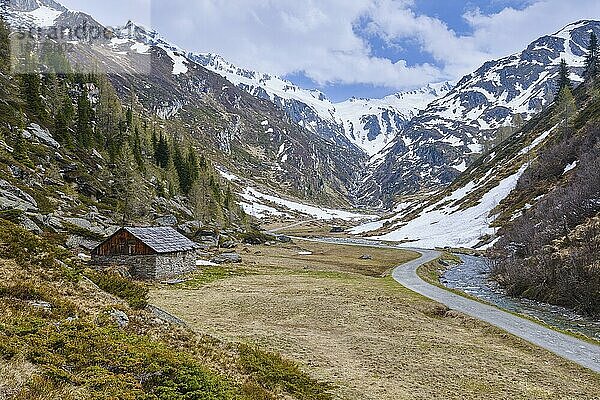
<point>362,48</point>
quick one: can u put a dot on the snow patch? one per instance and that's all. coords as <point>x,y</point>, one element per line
<point>451,227</point>
<point>43,16</point>
<point>257,198</point>
<point>570,167</point>
<point>140,48</point>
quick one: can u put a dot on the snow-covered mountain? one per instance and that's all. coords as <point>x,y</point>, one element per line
<point>250,136</point>
<point>418,140</point>
<point>369,124</point>
<point>439,144</point>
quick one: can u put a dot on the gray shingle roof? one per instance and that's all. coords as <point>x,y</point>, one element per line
<point>163,239</point>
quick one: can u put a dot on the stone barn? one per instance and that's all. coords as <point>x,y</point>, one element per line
<point>149,253</point>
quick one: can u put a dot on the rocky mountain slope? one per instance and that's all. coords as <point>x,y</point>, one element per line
<point>76,162</point>
<point>441,142</point>
<point>485,205</point>
<point>369,124</point>
<point>549,238</point>
<point>250,136</point>
<point>297,142</point>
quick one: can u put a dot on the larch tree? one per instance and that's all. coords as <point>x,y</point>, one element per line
<point>565,109</point>
<point>85,132</point>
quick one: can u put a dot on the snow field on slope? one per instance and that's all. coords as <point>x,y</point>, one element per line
<point>261,205</point>
<point>449,227</point>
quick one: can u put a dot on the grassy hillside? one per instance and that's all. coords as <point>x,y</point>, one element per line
<point>61,336</point>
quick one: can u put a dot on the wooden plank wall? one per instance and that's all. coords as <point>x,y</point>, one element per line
<point>123,243</point>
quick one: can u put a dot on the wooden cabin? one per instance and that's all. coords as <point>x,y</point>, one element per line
<point>149,253</point>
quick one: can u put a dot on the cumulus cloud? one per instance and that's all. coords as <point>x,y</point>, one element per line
<point>316,38</point>
<point>320,38</point>
<point>493,35</point>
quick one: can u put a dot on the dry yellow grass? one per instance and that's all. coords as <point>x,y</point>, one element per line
<point>374,339</point>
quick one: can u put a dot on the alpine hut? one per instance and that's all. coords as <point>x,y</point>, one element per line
<point>149,253</point>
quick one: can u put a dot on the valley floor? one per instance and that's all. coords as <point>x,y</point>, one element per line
<point>349,323</point>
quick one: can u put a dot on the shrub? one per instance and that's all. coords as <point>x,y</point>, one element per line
<point>22,291</point>
<point>26,248</point>
<point>272,371</point>
<point>136,294</point>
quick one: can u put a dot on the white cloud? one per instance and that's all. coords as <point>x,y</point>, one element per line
<point>285,36</point>
<point>318,37</point>
<point>493,36</point>
<point>511,30</point>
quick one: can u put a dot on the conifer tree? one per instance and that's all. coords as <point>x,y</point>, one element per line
<point>162,154</point>
<point>9,91</point>
<point>228,198</point>
<point>137,149</point>
<point>181,169</point>
<point>32,94</point>
<point>63,122</point>
<point>187,169</point>
<point>129,118</point>
<point>128,187</point>
<point>84,119</point>
<point>20,150</point>
<point>154,141</point>
<point>592,58</point>
<point>563,77</point>
<point>192,164</point>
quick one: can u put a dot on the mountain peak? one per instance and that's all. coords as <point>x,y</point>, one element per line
<point>32,5</point>
<point>32,13</point>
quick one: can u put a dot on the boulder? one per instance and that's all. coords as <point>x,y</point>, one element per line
<point>43,135</point>
<point>207,238</point>
<point>284,239</point>
<point>227,258</point>
<point>84,257</point>
<point>80,222</point>
<point>229,244</point>
<point>366,257</point>
<point>167,220</point>
<point>119,317</point>
<point>28,224</point>
<point>78,242</point>
<point>11,197</point>
<point>190,228</point>
<point>44,305</point>
<point>16,172</point>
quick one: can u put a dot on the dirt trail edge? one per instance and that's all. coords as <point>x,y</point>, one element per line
<point>583,353</point>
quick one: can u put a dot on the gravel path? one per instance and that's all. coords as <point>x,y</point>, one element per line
<point>583,353</point>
